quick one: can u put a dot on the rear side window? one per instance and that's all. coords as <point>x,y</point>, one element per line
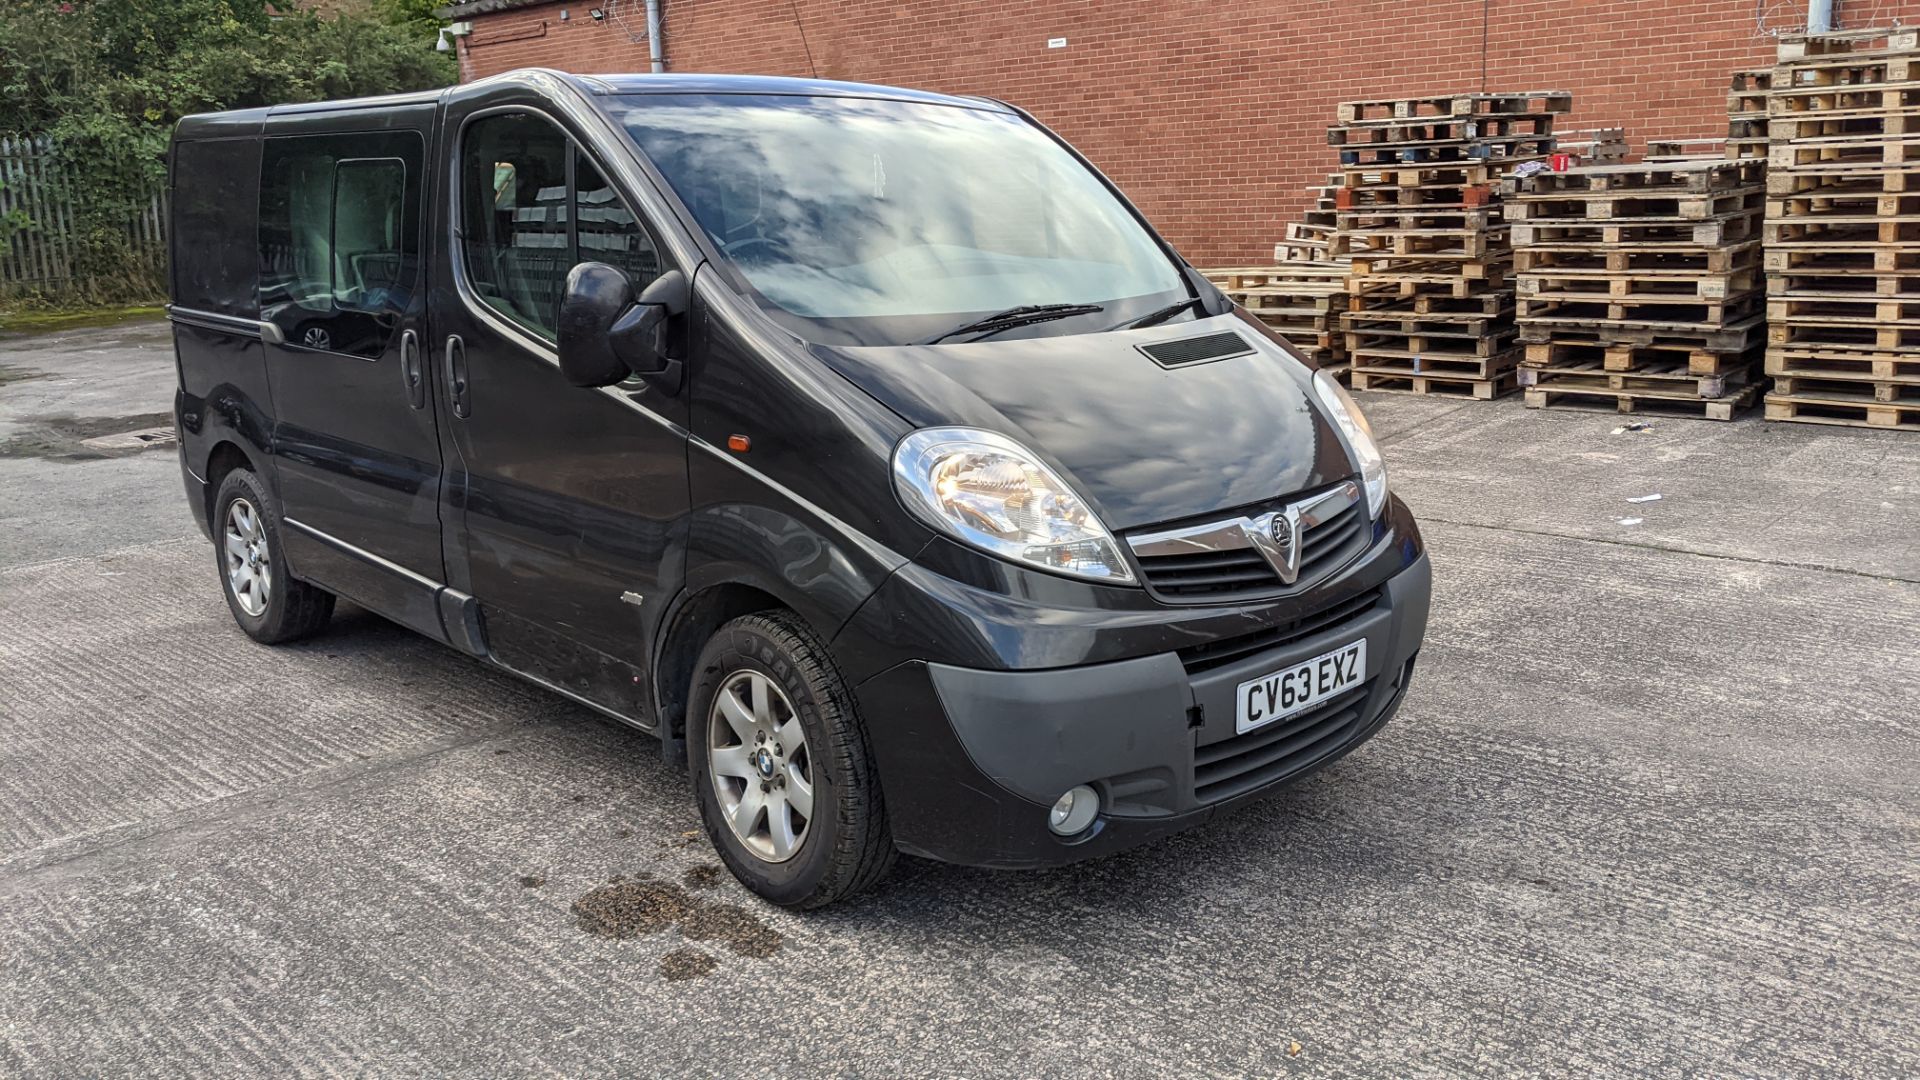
<point>339,238</point>
<point>532,207</point>
<point>214,200</point>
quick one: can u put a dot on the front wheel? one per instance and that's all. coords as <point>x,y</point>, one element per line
<point>781,768</point>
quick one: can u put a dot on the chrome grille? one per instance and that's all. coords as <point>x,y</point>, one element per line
<point>1223,560</point>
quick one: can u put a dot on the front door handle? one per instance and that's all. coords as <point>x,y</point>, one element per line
<point>410,375</point>
<point>457,374</point>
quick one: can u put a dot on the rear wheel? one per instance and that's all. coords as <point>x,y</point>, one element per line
<point>270,604</point>
<point>784,778</point>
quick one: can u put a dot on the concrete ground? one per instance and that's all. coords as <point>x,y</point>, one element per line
<point>1652,808</point>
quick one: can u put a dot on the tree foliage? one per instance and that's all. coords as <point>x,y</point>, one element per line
<point>107,80</point>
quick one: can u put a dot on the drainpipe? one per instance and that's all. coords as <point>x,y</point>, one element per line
<point>659,61</point>
<point>1819,16</point>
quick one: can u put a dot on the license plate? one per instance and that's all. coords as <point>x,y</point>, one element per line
<point>1300,687</point>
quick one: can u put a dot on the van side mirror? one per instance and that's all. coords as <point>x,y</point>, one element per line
<point>607,334</point>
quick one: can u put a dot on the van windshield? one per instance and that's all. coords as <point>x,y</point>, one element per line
<point>867,222</point>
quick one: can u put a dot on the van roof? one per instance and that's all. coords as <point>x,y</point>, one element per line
<point>769,84</point>
<point>251,121</point>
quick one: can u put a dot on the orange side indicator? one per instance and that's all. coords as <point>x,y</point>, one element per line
<point>739,444</point>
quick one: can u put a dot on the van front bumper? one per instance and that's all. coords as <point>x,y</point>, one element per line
<point>971,759</point>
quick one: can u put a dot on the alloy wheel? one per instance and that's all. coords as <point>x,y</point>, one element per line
<point>249,565</point>
<point>762,772</point>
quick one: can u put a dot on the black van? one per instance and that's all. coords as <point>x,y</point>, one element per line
<point>864,445</point>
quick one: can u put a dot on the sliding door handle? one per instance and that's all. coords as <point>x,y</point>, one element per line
<point>457,375</point>
<point>410,374</point>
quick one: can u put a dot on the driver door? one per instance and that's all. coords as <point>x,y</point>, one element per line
<point>563,501</point>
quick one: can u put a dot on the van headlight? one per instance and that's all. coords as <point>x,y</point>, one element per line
<point>1353,424</point>
<point>989,492</point>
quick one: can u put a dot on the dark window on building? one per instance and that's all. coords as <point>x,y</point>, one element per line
<point>339,238</point>
<point>532,208</point>
<point>213,225</point>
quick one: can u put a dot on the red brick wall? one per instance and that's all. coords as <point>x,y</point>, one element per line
<point>1210,115</point>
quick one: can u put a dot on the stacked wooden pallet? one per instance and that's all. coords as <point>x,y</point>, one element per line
<point>1309,238</point>
<point>1843,230</point>
<point>1301,300</point>
<point>1747,114</point>
<point>1430,309</point>
<point>1592,146</point>
<point>1640,285</point>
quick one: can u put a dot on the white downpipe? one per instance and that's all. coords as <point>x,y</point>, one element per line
<point>658,58</point>
<point>1819,16</point>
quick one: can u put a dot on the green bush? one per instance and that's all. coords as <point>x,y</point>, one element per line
<point>107,80</point>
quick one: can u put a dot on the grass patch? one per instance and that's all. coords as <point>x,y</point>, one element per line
<point>30,322</point>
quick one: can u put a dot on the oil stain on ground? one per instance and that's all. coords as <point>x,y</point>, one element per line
<point>642,906</point>
<point>683,964</point>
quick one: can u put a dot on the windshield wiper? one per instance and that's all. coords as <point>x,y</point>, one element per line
<point>1153,318</point>
<point>1016,316</point>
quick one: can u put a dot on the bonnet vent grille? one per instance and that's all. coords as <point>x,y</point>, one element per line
<point>1197,350</point>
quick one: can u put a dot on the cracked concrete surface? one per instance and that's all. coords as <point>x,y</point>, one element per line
<point>1650,809</point>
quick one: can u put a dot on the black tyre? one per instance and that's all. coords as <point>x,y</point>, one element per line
<point>270,604</point>
<point>781,768</point>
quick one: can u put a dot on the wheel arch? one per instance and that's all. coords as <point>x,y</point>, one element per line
<point>224,458</point>
<point>693,620</point>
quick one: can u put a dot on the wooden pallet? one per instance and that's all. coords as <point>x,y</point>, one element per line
<point>1504,154</point>
<point>1437,385</point>
<point>1845,308</point>
<point>1385,302</point>
<point>1509,103</point>
<point>1661,379</point>
<point>1642,401</point>
<point>1902,230</point>
<point>1442,175</point>
<point>1414,284</point>
<point>1846,365</point>
<point>1678,151</point>
<point>1405,132</point>
<point>1582,235</point>
<point>1400,217</point>
<point>1672,177</point>
<point>1634,205</point>
<point>1846,153</point>
<point>1621,259</point>
<point>1485,352</point>
<point>1403,323</point>
<point>1749,91</point>
<point>1815,182</point>
<point>1653,286</point>
<point>1733,338</point>
<point>1842,259</point>
<point>1684,314</point>
<point>1290,277</point>
<point>1849,410</point>
<point>1637,357</point>
<point>1805,331</point>
<point>1800,49</point>
<point>1889,113</point>
<point>1375,245</point>
<point>1593,146</point>
<point>1409,364</point>
<point>1845,202</point>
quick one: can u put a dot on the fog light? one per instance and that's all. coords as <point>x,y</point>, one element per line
<point>1074,812</point>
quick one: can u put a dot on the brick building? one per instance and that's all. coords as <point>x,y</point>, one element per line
<point>1212,115</point>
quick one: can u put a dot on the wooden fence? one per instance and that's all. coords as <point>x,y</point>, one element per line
<point>39,255</point>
